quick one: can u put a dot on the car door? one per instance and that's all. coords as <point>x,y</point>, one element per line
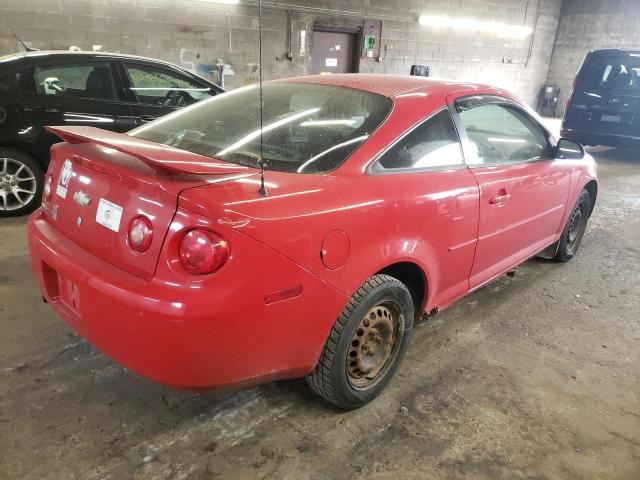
<point>156,89</point>
<point>438,197</point>
<point>84,91</point>
<point>11,82</point>
<point>523,189</point>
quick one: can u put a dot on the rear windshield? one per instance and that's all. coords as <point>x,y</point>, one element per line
<point>307,128</point>
<point>613,73</point>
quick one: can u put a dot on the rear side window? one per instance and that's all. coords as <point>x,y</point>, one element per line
<point>11,80</point>
<point>501,134</point>
<point>87,80</point>
<point>157,86</point>
<point>613,73</point>
<point>433,144</point>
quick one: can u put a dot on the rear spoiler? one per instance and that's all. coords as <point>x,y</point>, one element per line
<point>154,154</point>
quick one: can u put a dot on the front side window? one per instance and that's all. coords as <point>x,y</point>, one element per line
<point>306,128</point>
<point>434,144</point>
<point>502,134</point>
<point>88,80</point>
<point>163,87</point>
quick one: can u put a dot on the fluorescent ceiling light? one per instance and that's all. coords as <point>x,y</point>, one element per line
<point>472,25</point>
<point>331,149</point>
<point>507,140</point>
<point>225,2</point>
<point>267,128</point>
<point>321,123</point>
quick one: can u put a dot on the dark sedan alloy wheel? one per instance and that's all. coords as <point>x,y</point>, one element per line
<point>18,184</point>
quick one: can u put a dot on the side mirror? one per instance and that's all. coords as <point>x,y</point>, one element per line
<point>569,150</point>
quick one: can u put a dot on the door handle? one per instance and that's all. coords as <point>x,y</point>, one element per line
<point>41,108</point>
<point>500,199</point>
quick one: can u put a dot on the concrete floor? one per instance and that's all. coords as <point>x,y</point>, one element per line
<point>535,376</point>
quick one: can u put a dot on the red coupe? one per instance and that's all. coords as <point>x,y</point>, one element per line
<point>226,245</point>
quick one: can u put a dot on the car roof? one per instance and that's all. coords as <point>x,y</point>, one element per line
<point>614,52</point>
<point>37,54</point>
<point>386,84</point>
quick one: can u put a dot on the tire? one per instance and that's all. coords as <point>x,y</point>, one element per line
<point>574,229</point>
<point>361,356</point>
<point>21,182</point>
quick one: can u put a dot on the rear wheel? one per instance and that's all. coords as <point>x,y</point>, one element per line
<point>21,181</point>
<point>574,229</point>
<point>366,344</point>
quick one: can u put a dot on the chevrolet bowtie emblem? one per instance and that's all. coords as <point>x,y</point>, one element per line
<point>81,198</point>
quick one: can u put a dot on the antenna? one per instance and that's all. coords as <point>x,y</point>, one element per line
<point>28,49</point>
<point>262,190</point>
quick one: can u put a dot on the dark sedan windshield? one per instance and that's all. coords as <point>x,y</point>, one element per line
<point>307,128</point>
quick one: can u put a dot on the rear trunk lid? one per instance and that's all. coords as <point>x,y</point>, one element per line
<point>606,97</point>
<point>101,181</point>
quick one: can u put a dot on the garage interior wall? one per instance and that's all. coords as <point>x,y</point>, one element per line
<point>200,35</point>
<point>588,25</point>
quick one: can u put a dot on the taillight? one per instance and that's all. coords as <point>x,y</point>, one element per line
<point>48,188</point>
<point>202,251</point>
<point>140,233</point>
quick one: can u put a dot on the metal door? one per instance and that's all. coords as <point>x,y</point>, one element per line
<point>332,52</point>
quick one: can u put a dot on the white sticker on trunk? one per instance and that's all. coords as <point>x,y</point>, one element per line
<point>330,62</point>
<point>109,214</point>
<point>66,172</point>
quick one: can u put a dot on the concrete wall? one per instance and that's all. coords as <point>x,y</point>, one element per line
<point>588,25</point>
<point>200,34</point>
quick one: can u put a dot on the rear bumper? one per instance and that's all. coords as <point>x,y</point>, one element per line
<point>586,137</point>
<point>187,334</point>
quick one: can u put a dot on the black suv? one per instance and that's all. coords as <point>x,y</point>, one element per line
<point>111,91</point>
<point>604,107</point>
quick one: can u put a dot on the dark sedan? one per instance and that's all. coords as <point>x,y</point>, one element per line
<point>111,91</point>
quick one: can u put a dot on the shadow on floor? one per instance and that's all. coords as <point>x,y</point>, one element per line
<point>619,155</point>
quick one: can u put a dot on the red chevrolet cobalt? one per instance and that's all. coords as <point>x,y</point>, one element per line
<point>223,245</point>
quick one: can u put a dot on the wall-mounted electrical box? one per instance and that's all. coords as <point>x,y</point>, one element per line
<point>371,37</point>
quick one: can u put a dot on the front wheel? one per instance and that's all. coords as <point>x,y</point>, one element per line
<point>366,345</point>
<point>574,229</point>
<point>21,181</point>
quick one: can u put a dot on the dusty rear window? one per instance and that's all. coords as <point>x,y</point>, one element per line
<point>614,73</point>
<point>307,128</point>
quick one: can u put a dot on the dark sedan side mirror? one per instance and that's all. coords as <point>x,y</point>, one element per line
<point>569,150</point>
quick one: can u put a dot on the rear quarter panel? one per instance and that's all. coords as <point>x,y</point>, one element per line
<point>427,218</point>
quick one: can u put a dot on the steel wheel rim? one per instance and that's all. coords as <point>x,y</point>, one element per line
<point>576,227</point>
<point>374,344</point>
<point>17,184</point>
